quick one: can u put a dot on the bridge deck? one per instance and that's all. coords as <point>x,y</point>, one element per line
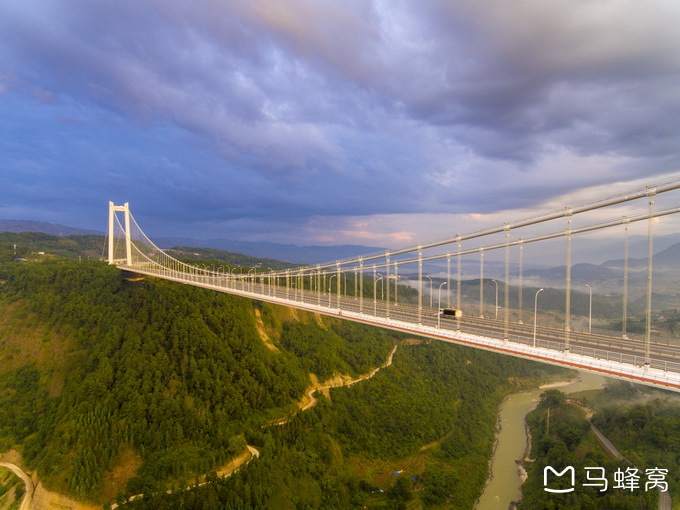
<point>610,356</point>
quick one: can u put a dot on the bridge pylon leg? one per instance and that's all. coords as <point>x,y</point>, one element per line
<point>128,243</point>
<point>111,218</point>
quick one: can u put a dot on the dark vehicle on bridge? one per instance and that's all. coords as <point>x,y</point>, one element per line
<point>450,312</point>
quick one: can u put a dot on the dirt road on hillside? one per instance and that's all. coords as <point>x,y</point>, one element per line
<point>28,496</point>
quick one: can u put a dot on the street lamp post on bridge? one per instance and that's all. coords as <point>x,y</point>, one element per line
<point>375,291</point>
<point>496,305</point>
<point>590,309</point>
<point>439,306</point>
<point>536,313</point>
<point>250,280</point>
<point>330,285</point>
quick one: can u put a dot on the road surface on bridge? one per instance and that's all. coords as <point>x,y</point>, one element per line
<point>608,355</point>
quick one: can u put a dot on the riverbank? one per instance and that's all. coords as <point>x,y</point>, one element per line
<point>511,447</point>
<point>523,475</point>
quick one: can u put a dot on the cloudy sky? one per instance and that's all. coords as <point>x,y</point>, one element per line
<point>325,121</point>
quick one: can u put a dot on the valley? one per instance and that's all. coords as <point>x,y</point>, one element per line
<point>115,388</point>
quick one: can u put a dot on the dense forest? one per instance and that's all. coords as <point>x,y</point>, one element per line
<point>646,433</point>
<point>170,382</point>
<point>37,245</point>
<point>419,435</point>
<point>645,428</point>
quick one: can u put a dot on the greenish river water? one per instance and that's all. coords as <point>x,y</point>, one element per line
<point>505,481</point>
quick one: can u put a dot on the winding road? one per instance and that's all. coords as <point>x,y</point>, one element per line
<point>252,451</point>
<point>28,496</point>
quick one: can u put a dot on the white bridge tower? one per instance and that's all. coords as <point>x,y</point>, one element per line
<point>125,208</point>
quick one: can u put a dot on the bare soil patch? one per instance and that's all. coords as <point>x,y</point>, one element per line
<point>259,324</point>
<point>125,467</point>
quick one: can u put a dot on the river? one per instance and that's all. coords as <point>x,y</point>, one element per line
<point>505,481</point>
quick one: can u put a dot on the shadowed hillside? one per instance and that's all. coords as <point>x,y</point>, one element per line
<point>166,383</point>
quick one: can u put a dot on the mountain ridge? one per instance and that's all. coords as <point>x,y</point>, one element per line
<point>306,254</point>
<point>55,229</point>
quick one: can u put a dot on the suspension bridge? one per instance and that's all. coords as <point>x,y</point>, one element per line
<point>436,289</point>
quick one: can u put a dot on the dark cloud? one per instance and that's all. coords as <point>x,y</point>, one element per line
<point>224,112</point>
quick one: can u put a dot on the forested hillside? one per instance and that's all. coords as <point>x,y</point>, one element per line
<point>31,244</point>
<point>642,423</point>
<point>39,245</point>
<point>647,431</point>
<point>166,382</point>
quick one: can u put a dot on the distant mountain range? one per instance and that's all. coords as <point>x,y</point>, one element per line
<point>602,263</point>
<point>283,252</point>
<point>608,276</point>
<point>599,251</point>
<point>18,226</point>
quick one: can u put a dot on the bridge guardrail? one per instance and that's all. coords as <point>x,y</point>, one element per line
<point>517,343</point>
